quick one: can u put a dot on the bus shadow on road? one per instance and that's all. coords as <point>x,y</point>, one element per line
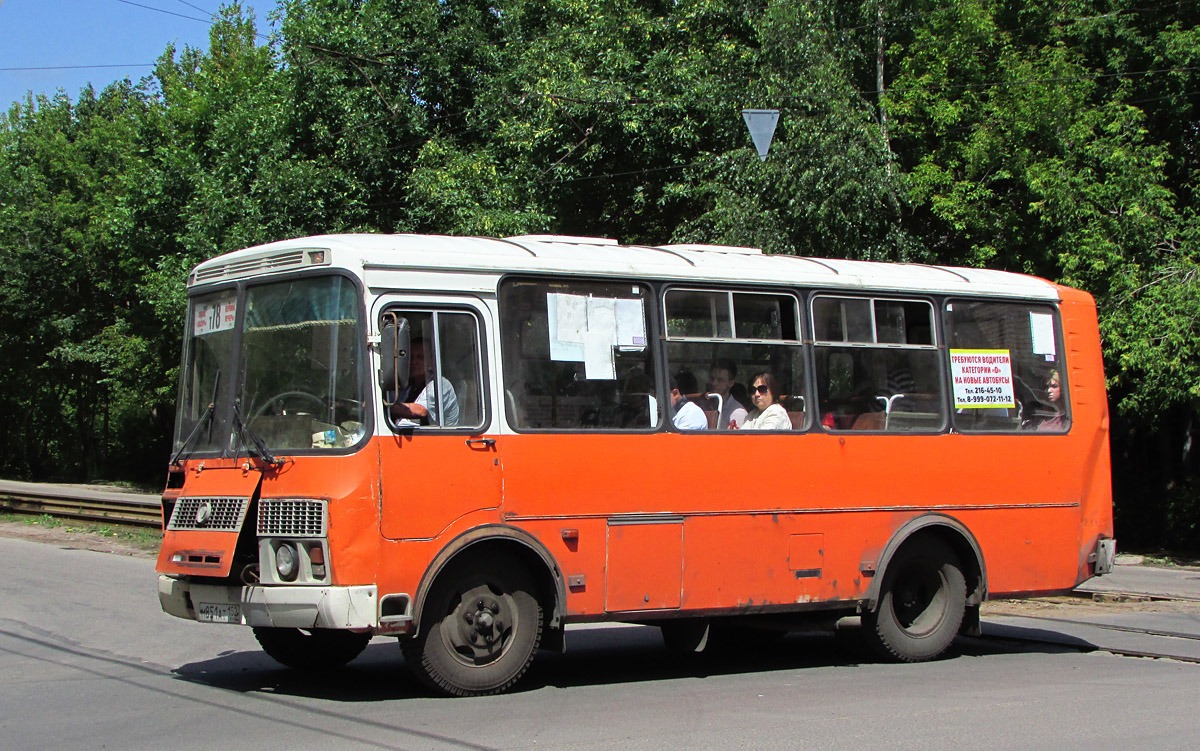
<point>594,657</point>
<point>377,674</point>
<point>598,657</point>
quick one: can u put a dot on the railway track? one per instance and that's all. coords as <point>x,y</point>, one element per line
<point>1128,639</point>
<point>80,502</point>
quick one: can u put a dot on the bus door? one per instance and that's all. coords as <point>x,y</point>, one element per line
<point>436,462</point>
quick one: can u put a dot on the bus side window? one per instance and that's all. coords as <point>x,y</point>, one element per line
<point>1020,344</point>
<point>877,365</point>
<point>577,355</point>
<point>722,339</point>
<point>445,373</point>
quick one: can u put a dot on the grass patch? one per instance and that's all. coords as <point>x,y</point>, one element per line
<point>143,538</point>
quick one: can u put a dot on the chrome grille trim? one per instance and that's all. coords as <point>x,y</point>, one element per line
<point>292,517</point>
<point>223,514</point>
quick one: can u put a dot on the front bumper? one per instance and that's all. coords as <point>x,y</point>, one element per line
<point>274,606</point>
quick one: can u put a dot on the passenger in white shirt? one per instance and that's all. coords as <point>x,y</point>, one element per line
<point>721,377</point>
<point>688,416</point>
<point>425,409</point>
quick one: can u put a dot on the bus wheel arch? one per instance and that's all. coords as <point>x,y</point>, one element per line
<point>927,589</point>
<point>496,572</point>
<point>500,540</point>
<point>482,623</point>
<point>950,531</point>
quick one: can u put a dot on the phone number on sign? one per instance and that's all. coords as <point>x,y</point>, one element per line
<point>985,399</point>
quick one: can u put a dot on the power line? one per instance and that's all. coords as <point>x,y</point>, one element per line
<point>208,21</point>
<point>78,67</point>
<point>1031,81</point>
<point>168,12</point>
<point>195,7</point>
<point>664,23</point>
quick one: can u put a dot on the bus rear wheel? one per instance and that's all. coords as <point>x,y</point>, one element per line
<point>315,649</point>
<point>922,600</point>
<point>480,629</point>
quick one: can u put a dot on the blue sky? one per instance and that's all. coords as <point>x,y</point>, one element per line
<point>130,34</point>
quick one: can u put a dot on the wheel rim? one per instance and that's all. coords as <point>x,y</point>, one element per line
<point>478,631</point>
<point>920,599</point>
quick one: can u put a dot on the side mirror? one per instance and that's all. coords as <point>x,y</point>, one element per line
<point>394,341</point>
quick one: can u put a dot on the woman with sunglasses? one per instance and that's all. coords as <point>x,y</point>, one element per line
<point>768,413</point>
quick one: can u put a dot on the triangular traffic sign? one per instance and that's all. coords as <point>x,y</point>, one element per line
<point>762,128</point>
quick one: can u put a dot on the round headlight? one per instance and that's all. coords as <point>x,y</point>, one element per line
<point>286,561</point>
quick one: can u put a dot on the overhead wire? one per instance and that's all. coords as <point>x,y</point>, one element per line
<point>377,59</point>
<point>161,10</point>
<point>195,7</point>
<point>77,67</point>
<point>208,21</point>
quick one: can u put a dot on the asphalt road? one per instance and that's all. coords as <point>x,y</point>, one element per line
<point>89,661</point>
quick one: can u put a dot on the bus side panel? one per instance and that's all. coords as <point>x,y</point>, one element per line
<point>1089,408</point>
<point>773,519</point>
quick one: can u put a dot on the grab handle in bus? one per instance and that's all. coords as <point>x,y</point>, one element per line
<point>484,442</point>
<point>394,340</point>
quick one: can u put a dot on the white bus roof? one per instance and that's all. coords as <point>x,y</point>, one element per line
<point>383,260</point>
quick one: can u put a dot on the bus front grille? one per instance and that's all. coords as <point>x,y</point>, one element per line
<point>210,514</point>
<point>291,517</point>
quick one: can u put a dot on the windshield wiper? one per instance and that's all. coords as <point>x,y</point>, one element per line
<point>205,419</point>
<point>255,443</point>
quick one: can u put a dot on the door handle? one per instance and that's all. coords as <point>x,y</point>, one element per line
<point>484,442</point>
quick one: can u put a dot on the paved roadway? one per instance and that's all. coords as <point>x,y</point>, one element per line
<point>89,662</point>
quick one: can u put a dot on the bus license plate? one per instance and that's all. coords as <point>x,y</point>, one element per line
<point>214,613</point>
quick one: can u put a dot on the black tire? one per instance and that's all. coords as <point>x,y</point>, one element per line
<point>480,628</point>
<point>315,649</point>
<point>922,600</point>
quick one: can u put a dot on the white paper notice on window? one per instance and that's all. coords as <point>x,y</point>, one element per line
<point>631,324</point>
<point>566,317</point>
<point>602,317</point>
<point>598,361</point>
<point>1041,326</point>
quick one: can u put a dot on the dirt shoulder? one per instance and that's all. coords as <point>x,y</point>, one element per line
<point>1085,606</point>
<point>80,536</point>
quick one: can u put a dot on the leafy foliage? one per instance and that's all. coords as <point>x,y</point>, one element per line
<point>1055,138</point>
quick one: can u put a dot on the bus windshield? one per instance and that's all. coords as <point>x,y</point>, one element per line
<point>299,367</point>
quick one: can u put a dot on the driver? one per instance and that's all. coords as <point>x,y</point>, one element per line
<point>424,409</point>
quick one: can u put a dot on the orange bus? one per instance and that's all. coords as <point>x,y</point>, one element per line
<point>469,443</point>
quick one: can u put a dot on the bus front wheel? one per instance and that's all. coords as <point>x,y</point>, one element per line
<point>480,629</point>
<point>315,649</point>
<point>922,600</point>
